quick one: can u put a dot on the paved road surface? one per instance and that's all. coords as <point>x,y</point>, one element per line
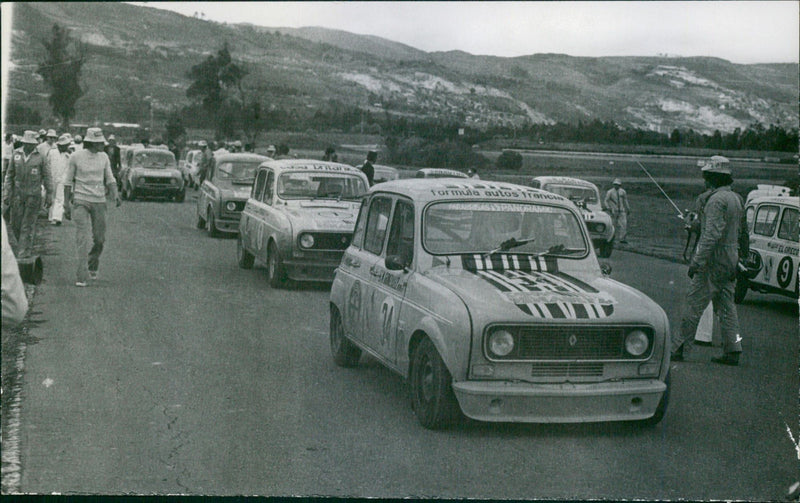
<point>178,372</point>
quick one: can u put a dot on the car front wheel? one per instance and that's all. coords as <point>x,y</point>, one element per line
<point>432,395</point>
<point>661,409</point>
<point>276,274</point>
<point>211,225</point>
<point>605,249</point>
<point>345,353</point>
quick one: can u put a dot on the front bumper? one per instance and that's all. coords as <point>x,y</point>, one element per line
<point>158,190</point>
<point>302,270</point>
<point>504,401</point>
<point>228,223</point>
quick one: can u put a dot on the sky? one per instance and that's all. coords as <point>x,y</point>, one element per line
<point>738,31</point>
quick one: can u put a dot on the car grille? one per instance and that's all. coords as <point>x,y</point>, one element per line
<point>596,226</point>
<point>565,342</point>
<point>331,240</point>
<point>567,369</point>
<point>157,180</point>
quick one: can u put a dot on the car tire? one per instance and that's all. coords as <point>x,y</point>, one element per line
<point>661,410</point>
<point>432,396</point>
<point>181,196</point>
<point>211,225</point>
<point>131,194</point>
<point>345,353</point>
<point>244,257</point>
<point>740,290</point>
<point>276,274</point>
<point>605,249</point>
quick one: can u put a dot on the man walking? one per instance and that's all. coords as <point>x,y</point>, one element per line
<point>22,192</point>
<point>368,167</point>
<point>206,161</point>
<point>88,177</point>
<point>48,143</point>
<point>616,203</point>
<point>58,162</point>
<point>113,153</point>
<point>713,267</point>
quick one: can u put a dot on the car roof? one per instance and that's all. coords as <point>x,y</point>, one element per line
<point>444,189</point>
<point>443,171</point>
<point>785,200</point>
<point>284,165</point>
<point>244,156</point>
<point>565,180</point>
<point>150,150</point>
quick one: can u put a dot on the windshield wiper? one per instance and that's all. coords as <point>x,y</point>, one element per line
<point>559,249</point>
<point>507,245</point>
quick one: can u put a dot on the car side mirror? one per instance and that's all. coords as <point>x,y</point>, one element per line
<point>605,268</point>
<point>395,263</point>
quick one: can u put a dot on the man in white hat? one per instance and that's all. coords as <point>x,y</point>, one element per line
<point>88,177</point>
<point>49,142</point>
<point>22,192</point>
<point>713,267</point>
<point>58,161</point>
<point>77,144</point>
<point>271,150</point>
<point>616,204</point>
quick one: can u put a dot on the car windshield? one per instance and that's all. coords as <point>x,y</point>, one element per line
<point>315,185</point>
<point>574,192</point>
<point>237,172</point>
<point>483,227</point>
<point>155,160</point>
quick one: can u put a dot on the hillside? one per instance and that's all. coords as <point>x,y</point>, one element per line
<point>135,52</point>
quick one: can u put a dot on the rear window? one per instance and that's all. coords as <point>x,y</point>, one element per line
<point>766,220</point>
<point>163,159</point>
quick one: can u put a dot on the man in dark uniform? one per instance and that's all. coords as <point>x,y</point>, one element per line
<point>368,168</point>
<point>22,192</point>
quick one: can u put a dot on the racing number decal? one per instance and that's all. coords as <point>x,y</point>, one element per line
<point>784,272</point>
<point>354,308</point>
<point>387,311</point>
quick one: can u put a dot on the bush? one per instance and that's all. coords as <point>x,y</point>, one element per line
<point>509,160</point>
<point>416,151</point>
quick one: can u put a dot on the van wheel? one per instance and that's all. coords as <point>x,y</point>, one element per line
<point>662,407</point>
<point>345,353</point>
<point>740,290</point>
<point>432,395</point>
<point>211,225</point>
<point>244,257</point>
<point>276,274</point>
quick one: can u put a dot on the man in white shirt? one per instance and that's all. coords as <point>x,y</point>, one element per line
<point>58,161</point>
<point>88,177</point>
<point>616,203</point>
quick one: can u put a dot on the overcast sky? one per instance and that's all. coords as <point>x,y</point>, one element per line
<point>741,32</point>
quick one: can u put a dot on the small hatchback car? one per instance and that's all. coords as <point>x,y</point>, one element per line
<point>152,172</point>
<point>225,191</point>
<point>489,299</point>
<point>299,218</point>
<point>587,197</point>
<point>772,267</point>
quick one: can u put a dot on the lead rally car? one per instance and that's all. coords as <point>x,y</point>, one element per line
<point>489,299</point>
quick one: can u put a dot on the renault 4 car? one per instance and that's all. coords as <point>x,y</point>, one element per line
<point>385,173</point>
<point>774,226</point>
<point>439,173</point>
<point>299,218</point>
<point>152,172</point>
<point>225,191</point>
<point>489,299</point>
<point>587,197</point>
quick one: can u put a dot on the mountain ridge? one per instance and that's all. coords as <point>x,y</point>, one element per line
<point>138,51</point>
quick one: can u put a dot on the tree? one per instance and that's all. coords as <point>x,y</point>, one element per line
<point>174,127</point>
<point>61,71</point>
<point>213,83</point>
<point>509,160</point>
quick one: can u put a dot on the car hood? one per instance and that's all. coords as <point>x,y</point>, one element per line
<point>541,293</point>
<point>324,215</point>
<point>595,213</point>
<point>160,172</point>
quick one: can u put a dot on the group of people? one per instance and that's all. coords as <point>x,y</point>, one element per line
<point>69,177</point>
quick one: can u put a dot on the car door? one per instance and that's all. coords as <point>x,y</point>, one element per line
<point>358,263</point>
<point>762,240</point>
<point>787,249</point>
<point>249,220</point>
<point>388,286</point>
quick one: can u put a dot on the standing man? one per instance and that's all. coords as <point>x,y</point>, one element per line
<point>271,151</point>
<point>113,153</point>
<point>77,144</point>
<point>713,266</point>
<point>48,143</point>
<point>58,162</point>
<point>88,177</point>
<point>368,168</point>
<point>206,161</point>
<point>22,192</point>
<point>616,203</point>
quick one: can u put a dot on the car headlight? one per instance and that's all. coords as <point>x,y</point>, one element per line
<point>231,206</point>
<point>174,181</point>
<point>306,241</point>
<point>636,343</point>
<point>140,180</point>
<point>600,227</point>
<point>501,343</point>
